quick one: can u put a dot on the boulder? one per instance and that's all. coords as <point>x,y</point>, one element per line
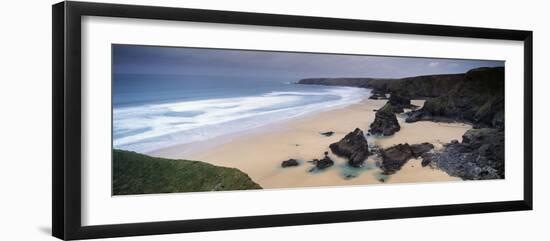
<point>328,133</point>
<point>324,163</point>
<point>393,158</point>
<point>385,122</point>
<point>289,163</point>
<point>353,146</point>
<point>419,149</point>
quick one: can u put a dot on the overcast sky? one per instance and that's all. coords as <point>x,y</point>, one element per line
<point>197,61</point>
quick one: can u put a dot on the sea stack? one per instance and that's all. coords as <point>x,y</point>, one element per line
<point>385,123</point>
<point>353,146</point>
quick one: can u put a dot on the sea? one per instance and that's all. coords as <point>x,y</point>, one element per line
<point>152,112</point>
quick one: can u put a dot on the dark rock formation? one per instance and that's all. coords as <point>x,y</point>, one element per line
<point>419,149</point>
<point>399,100</point>
<point>427,159</point>
<point>479,156</point>
<point>385,123</point>
<point>289,163</point>
<point>324,163</point>
<point>353,146</point>
<point>395,157</point>
<point>479,99</point>
<point>427,86</point>
<point>328,133</point>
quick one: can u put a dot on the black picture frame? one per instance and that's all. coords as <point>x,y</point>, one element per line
<point>66,128</point>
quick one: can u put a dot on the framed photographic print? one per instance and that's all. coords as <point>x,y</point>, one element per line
<point>170,120</point>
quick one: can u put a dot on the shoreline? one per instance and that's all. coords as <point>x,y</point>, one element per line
<point>260,151</point>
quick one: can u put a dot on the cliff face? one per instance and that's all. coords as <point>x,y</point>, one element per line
<point>415,87</point>
<point>476,96</point>
<point>422,86</point>
<point>478,99</point>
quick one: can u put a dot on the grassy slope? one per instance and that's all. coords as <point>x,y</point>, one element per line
<point>135,173</point>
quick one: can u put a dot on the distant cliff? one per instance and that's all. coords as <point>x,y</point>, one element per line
<point>353,82</point>
<point>416,87</point>
<point>476,96</point>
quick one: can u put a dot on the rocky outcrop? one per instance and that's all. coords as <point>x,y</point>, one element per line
<point>353,146</point>
<point>395,157</point>
<point>322,164</point>
<point>420,149</point>
<point>385,122</point>
<point>479,99</point>
<point>399,100</point>
<point>289,163</point>
<point>479,156</point>
<point>427,86</point>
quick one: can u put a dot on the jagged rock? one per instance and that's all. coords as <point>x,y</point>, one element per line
<point>385,123</point>
<point>353,146</point>
<point>393,158</point>
<point>289,163</point>
<point>480,155</point>
<point>328,133</point>
<point>324,163</point>
<point>419,149</point>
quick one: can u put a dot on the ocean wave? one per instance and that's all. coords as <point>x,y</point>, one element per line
<point>150,127</point>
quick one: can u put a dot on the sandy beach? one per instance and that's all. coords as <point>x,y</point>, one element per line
<point>259,152</point>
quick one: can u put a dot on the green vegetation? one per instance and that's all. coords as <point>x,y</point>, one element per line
<point>135,173</point>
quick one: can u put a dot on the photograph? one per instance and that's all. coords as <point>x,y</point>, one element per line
<point>189,119</point>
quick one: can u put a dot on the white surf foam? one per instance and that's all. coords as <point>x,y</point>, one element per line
<point>150,127</point>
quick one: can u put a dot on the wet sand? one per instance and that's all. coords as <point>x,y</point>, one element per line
<point>259,152</point>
